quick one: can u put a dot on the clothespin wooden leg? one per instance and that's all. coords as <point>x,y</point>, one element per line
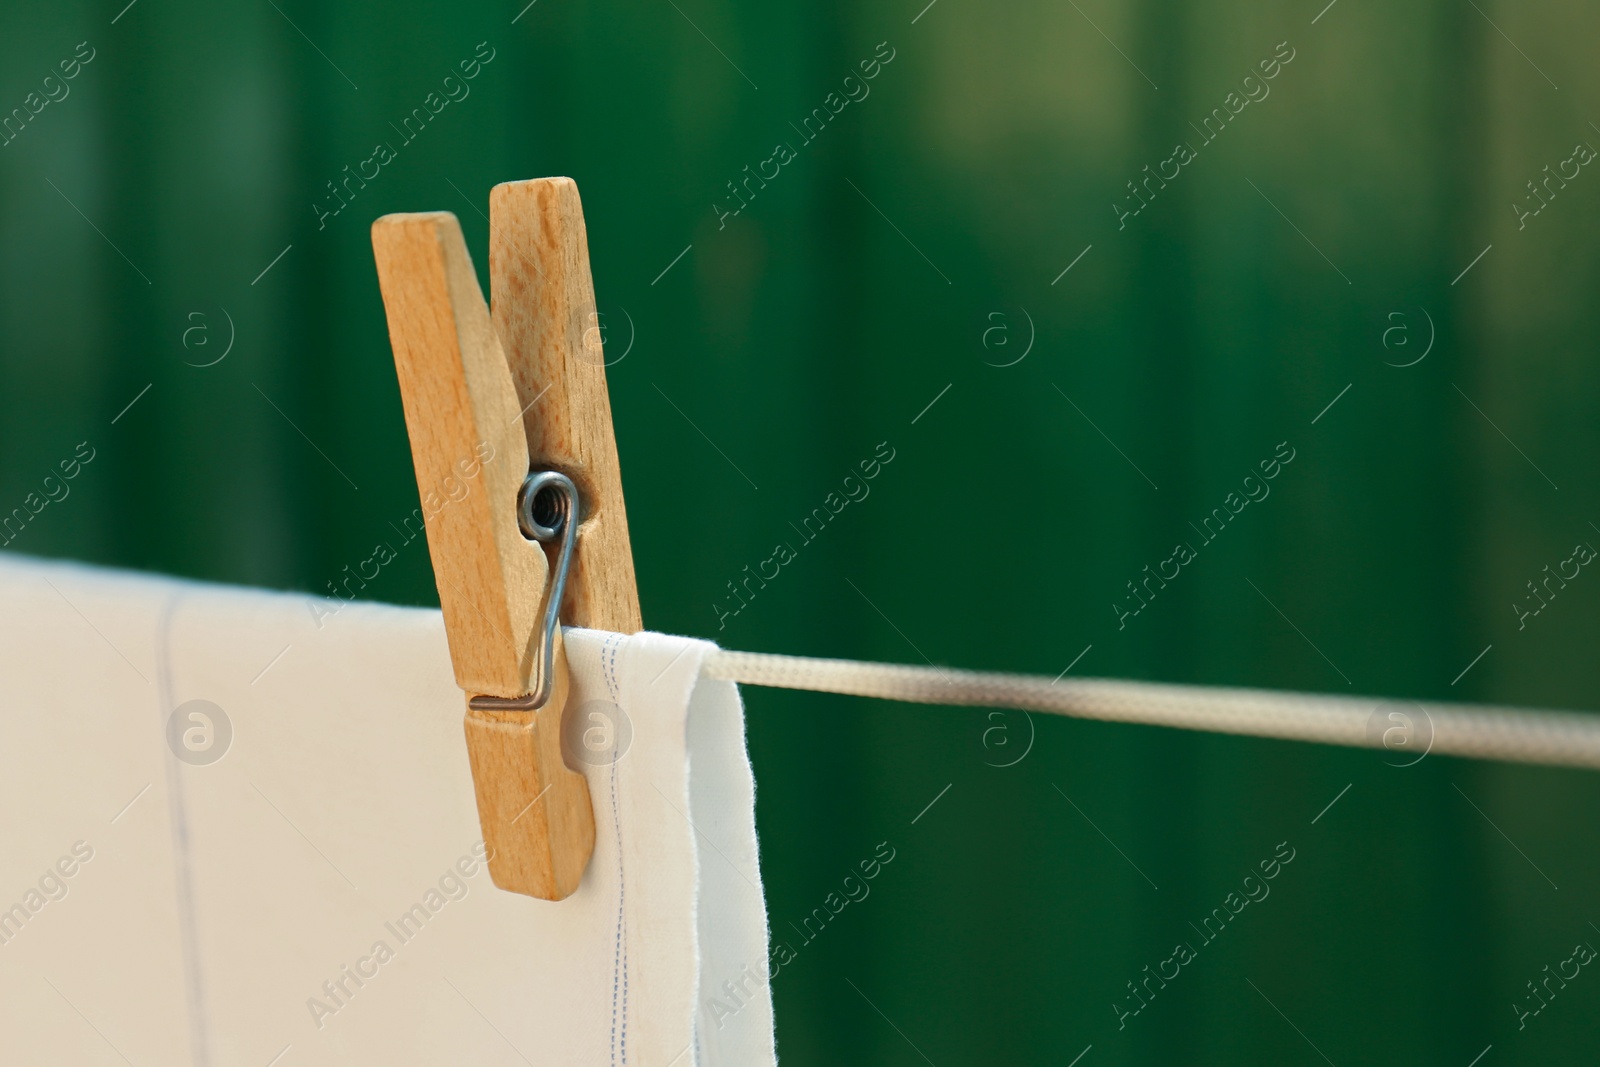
<point>544,311</point>
<point>537,821</point>
<point>471,457</point>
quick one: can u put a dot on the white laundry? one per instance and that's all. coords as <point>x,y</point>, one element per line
<point>318,894</point>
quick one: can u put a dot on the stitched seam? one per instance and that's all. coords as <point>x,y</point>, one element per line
<point>619,973</point>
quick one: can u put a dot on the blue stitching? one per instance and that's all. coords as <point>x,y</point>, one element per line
<point>619,956</point>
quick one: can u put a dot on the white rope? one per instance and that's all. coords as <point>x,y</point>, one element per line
<point>1483,732</point>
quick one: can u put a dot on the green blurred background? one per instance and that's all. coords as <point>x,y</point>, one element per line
<point>917,244</point>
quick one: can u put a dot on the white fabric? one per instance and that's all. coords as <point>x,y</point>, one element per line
<point>207,905</point>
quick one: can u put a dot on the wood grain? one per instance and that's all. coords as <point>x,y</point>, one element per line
<point>456,388</point>
<point>535,811</point>
<point>471,457</point>
<point>544,312</point>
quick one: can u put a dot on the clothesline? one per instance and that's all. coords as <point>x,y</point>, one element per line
<point>1408,728</point>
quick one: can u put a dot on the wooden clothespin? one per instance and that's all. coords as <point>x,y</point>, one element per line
<point>493,398</point>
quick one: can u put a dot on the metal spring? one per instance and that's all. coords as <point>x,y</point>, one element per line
<point>547,508</point>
